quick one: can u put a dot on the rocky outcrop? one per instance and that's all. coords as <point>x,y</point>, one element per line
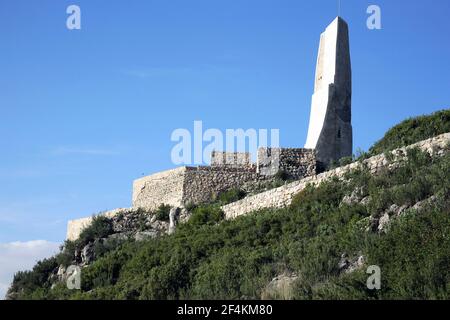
<point>380,222</point>
<point>280,288</point>
<point>349,265</point>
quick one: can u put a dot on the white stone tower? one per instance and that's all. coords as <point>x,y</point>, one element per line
<point>330,128</point>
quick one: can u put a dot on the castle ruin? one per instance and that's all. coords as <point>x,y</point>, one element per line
<point>329,139</point>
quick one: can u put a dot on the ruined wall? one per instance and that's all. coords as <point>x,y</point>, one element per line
<point>202,184</point>
<point>296,162</point>
<point>231,159</point>
<point>163,187</point>
<point>198,184</point>
<point>282,196</point>
<point>186,185</point>
<point>75,227</point>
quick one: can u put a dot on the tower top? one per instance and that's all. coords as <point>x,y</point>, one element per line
<point>330,130</point>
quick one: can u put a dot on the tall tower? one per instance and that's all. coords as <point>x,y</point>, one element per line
<point>330,128</point>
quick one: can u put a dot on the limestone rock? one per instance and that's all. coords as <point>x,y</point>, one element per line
<point>348,265</point>
<point>87,254</point>
<point>281,287</point>
<point>144,235</point>
<point>173,216</point>
<point>383,222</point>
<point>61,273</point>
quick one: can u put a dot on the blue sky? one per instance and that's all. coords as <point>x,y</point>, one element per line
<point>84,112</point>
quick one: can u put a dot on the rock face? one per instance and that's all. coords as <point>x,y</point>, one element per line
<point>349,265</point>
<point>87,254</point>
<point>173,215</point>
<point>330,129</point>
<point>281,287</point>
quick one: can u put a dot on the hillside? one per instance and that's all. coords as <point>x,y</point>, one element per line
<point>413,130</point>
<point>317,248</point>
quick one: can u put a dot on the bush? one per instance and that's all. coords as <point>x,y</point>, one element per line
<point>202,215</point>
<point>282,175</point>
<point>413,130</point>
<point>190,206</point>
<point>163,213</point>
<point>345,161</point>
<point>236,259</point>
<point>66,256</point>
<point>230,196</point>
<point>101,227</point>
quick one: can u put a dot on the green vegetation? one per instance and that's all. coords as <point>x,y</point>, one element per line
<point>230,196</point>
<point>212,258</point>
<point>100,227</point>
<point>406,133</point>
<point>206,215</point>
<point>236,259</point>
<point>413,130</point>
<point>163,212</point>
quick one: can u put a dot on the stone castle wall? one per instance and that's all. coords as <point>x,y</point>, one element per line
<point>282,196</point>
<point>297,163</point>
<point>163,187</point>
<point>188,185</point>
<point>198,184</point>
<point>231,159</point>
<point>202,184</point>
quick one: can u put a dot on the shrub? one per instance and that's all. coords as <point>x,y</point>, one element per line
<point>345,161</point>
<point>230,196</point>
<point>101,227</point>
<point>282,175</point>
<point>163,213</point>
<point>206,215</point>
<point>190,206</point>
<point>413,130</point>
<point>236,259</point>
<point>66,256</point>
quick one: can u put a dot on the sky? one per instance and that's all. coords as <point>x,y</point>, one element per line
<point>85,112</point>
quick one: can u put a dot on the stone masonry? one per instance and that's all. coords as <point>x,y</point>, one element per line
<point>329,139</point>
<point>296,163</point>
<point>231,159</point>
<point>282,196</point>
<point>195,185</point>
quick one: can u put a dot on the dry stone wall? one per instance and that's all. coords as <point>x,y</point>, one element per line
<point>184,185</point>
<point>297,163</point>
<point>202,184</point>
<point>282,196</point>
<point>231,159</point>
